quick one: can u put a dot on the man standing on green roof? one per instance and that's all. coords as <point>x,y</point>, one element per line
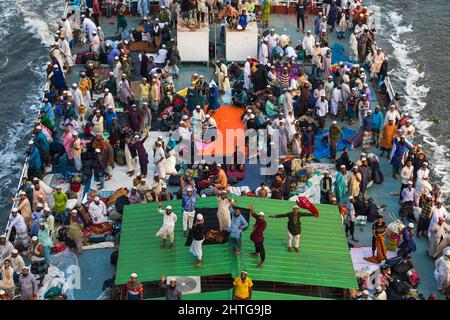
<point>257,235</point>
<point>294,227</point>
<point>238,224</point>
<point>167,229</point>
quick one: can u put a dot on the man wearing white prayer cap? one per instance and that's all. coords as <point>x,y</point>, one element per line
<point>198,237</point>
<point>293,227</point>
<point>97,211</point>
<point>168,227</point>
<point>441,272</point>
<point>257,235</point>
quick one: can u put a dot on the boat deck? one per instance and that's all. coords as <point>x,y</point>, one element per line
<point>284,24</point>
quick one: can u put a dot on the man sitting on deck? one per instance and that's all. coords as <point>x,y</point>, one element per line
<point>97,211</point>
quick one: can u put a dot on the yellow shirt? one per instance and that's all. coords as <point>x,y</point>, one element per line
<point>242,289</point>
<point>145,90</point>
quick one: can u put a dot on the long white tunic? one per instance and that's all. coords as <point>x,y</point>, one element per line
<point>263,55</point>
<point>65,47</point>
<point>168,225</point>
<point>66,30</point>
<point>247,73</point>
<point>435,215</point>
<point>98,212</point>
<point>77,97</point>
<point>109,101</point>
<point>335,99</point>
<point>160,164</point>
<point>88,27</point>
<point>442,272</point>
<point>308,44</point>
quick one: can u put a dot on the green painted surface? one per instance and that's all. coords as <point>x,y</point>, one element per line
<point>323,260</point>
<point>257,295</point>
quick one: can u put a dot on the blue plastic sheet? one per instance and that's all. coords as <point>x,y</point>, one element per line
<point>322,149</point>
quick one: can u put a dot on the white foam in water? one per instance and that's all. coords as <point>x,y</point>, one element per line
<point>415,96</point>
<point>41,25</point>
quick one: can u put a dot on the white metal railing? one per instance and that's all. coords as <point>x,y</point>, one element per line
<point>24,172</point>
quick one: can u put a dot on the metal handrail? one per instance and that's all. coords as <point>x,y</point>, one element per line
<point>24,173</point>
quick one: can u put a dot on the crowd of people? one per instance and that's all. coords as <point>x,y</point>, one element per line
<point>90,126</point>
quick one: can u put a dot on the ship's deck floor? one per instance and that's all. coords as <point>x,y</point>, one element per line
<point>284,24</point>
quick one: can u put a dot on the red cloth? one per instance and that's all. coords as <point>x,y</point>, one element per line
<point>304,203</point>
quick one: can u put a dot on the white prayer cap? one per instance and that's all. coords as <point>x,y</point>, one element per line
<point>98,150</point>
<point>334,122</point>
<point>369,111</point>
<point>189,189</point>
<point>133,275</point>
<point>99,28</point>
<point>308,31</point>
<point>197,107</point>
<point>21,193</point>
<point>106,90</point>
<point>343,166</point>
<point>260,213</point>
<point>326,172</point>
<point>364,95</point>
<point>350,198</point>
<point>410,183</point>
<point>2,292</point>
<point>15,251</point>
<point>355,167</point>
<point>280,166</point>
<point>207,116</point>
<point>185,117</point>
<point>163,7</point>
<point>248,57</point>
<point>363,159</point>
<point>271,30</point>
<point>324,30</point>
<point>163,46</point>
<point>58,187</point>
<point>252,116</point>
<point>74,85</point>
<point>30,142</point>
<point>75,133</point>
<point>40,205</point>
<point>199,217</point>
<point>136,136</point>
<point>34,238</point>
<point>182,122</point>
<point>125,41</point>
<point>447,252</point>
<point>330,77</point>
<point>97,198</point>
<point>169,208</point>
<point>116,58</point>
<point>411,225</point>
<point>296,207</point>
<point>94,32</point>
<point>74,211</point>
<point>365,292</point>
<point>143,179</point>
<point>425,164</point>
<point>160,137</point>
<point>365,84</point>
<point>3,236</point>
<point>219,165</point>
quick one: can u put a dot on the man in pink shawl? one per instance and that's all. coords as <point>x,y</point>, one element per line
<point>67,142</point>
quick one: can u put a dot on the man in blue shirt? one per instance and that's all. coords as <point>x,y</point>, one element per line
<point>238,224</point>
<point>188,205</point>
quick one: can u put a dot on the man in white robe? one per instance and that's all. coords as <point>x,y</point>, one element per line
<point>109,100</point>
<point>58,54</point>
<point>442,271</point>
<point>438,236</point>
<point>95,43</point>
<point>353,44</point>
<point>65,47</point>
<point>272,41</point>
<point>159,160</point>
<point>77,96</point>
<point>436,212</point>
<point>66,30</point>
<point>336,98</point>
<point>88,27</point>
<point>263,55</point>
<point>168,227</point>
<point>247,74</point>
<point>97,211</point>
<point>6,249</point>
<point>117,72</point>
<point>308,43</point>
<point>288,102</point>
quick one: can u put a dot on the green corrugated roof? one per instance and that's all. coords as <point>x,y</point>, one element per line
<point>324,258</point>
<point>257,295</point>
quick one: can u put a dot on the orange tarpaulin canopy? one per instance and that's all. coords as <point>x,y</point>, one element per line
<point>227,117</point>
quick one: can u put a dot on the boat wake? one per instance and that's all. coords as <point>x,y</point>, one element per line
<point>410,76</point>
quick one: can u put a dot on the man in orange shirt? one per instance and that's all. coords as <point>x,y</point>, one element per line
<point>222,179</point>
